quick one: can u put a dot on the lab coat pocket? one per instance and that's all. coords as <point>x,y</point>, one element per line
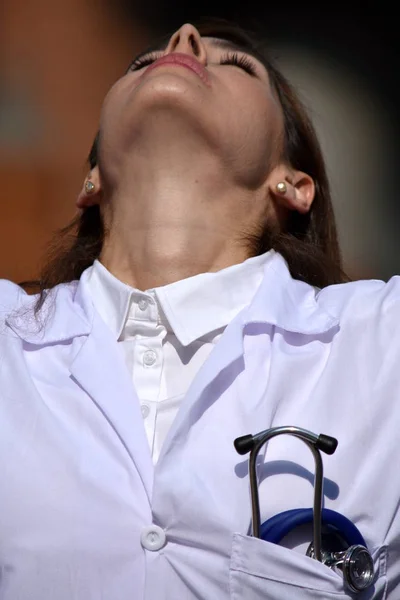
<point>261,570</point>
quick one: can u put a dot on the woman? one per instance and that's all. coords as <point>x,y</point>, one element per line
<point>200,299</point>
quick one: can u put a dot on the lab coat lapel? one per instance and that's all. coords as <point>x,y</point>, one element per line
<point>97,364</point>
<point>213,377</point>
<point>99,368</point>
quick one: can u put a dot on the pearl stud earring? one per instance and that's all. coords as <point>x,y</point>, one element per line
<point>89,187</point>
<point>281,187</point>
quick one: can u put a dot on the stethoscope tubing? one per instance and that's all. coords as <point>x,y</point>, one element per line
<point>278,526</point>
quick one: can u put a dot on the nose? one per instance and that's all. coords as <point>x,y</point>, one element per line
<point>188,40</point>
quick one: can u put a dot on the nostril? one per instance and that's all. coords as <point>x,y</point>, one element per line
<point>176,41</point>
<point>194,44</point>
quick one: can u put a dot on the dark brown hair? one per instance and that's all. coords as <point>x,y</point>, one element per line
<point>309,242</point>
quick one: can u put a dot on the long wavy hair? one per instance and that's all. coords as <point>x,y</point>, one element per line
<point>309,242</point>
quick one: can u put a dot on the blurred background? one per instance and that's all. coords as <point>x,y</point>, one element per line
<point>59,58</point>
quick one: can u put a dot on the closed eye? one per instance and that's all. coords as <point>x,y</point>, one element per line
<point>241,61</point>
<point>232,58</point>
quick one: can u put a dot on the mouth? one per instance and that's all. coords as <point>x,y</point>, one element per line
<point>181,60</point>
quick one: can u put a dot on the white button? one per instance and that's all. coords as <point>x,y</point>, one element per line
<point>142,304</point>
<point>149,357</point>
<point>153,538</point>
<point>145,408</point>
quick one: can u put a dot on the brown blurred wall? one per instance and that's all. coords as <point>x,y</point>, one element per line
<point>58,60</point>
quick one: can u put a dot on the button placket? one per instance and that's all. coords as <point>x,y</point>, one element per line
<point>143,304</point>
<point>149,358</point>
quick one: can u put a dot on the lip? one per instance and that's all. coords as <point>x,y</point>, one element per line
<point>183,60</point>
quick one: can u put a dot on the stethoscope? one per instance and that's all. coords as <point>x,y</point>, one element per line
<point>348,551</point>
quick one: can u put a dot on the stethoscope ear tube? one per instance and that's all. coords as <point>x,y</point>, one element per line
<point>324,443</point>
<point>254,443</point>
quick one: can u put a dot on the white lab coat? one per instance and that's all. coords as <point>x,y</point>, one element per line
<point>79,494</point>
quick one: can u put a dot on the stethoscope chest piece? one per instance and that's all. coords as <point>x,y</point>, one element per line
<point>355,564</point>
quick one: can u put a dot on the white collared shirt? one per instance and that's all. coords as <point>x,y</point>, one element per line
<point>167,333</point>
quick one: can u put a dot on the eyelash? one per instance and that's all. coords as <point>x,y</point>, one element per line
<point>232,58</point>
<point>139,63</point>
<point>241,61</point>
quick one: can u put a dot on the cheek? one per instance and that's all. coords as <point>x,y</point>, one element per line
<point>112,103</point>
<point>263,118</point>
<point>256,120</point>
<point>113,132</point>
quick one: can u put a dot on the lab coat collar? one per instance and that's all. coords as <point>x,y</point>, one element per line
<point>280,300</point>
<point>76,319</point>
<point>288,303</point>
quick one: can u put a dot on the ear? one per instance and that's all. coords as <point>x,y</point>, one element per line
<point>91,191</point>
<point>298,190</point>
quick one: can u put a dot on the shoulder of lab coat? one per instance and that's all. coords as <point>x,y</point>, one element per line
<point>10,294</point>
<point>370,293</point>
<point>11,297</point>
<point>369,308</point>
<point>67,312</point>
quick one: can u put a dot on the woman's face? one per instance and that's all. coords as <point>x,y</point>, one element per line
<point>219,93</point>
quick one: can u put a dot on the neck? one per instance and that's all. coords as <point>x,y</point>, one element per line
<point>180,218</point>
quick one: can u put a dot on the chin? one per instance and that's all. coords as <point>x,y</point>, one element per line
<point>161,100</point>
<point>163,107</point>
<point>169,88</point>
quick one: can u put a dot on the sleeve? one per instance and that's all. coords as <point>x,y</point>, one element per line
<point>387,339</point>
<point>369,315</point>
